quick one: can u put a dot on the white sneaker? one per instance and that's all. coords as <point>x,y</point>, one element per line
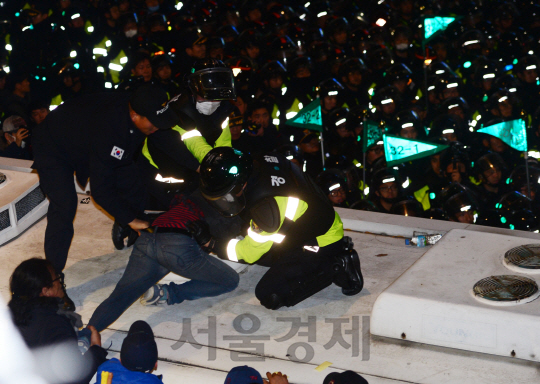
<point>156,295</point>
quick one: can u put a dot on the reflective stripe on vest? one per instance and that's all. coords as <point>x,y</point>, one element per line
<point>116,65</point>
<point>101,49</point>
<point>88,27</point>
<point>294,109</point>
<point>290,213</point>
<point>276,237</point>
<point>275,116</point>
<point>292,207</point>
<point>190,134</point>
<point>231,250</point>
<point>55,102</point>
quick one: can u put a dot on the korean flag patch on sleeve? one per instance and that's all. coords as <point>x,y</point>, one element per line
<point>117,153</point>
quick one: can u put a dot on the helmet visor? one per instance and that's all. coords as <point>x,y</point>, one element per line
<point>230,204</point>
<point>213,84</point>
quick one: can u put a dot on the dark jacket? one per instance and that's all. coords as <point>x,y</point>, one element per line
<point>47,328</point>
<point>95,136</point>
<point>13,151</point>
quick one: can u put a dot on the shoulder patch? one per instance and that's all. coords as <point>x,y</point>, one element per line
<point>117,153</point>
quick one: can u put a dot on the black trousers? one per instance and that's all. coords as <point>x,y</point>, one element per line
<point>297,273</point>
<point>58,184</point>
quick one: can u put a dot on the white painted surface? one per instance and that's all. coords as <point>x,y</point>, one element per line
<point>15,188</point>
<point>436,305</point>
<point>94,267</point>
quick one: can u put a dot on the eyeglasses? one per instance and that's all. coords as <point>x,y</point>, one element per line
<point>337,192</point>
<point>57,279</point>
<point>392,187</point>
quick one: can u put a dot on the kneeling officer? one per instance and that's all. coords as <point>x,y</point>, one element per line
<point>293,228</point>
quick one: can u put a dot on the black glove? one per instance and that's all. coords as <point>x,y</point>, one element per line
<point>200,231</point>
<point>120,232</point>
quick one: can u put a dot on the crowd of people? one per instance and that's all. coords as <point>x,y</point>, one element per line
<point>94,88</point>
<point>364,61</point>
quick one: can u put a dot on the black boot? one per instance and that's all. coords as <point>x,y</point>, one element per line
<point>348,274</point>
<point>120,232</point>
<point>67,304</point>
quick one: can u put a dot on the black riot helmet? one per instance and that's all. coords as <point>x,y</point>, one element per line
<point>339,24</point>
<point>445,83</point>
<point>527,63</point>
<point>518,179</point>
<point>407,119</point>
<point>356,117</point>
<point>447,126</point>
<point>379,59</point>
<point>211,80</point>
<point>352,65</point>
<point>243,71</point>
<point>460,202</point>
<point>484,72</point>
<point>224,171</point>
<point>330,87</point>
<point>437,68</point>
<point>283,49</point>
<point>507,82</point>
<point>513,201</point>
<point>331,179</point>
<point>455,102</point>
<point>292,153</point>
<point>272,70</point>
<point>487,162</point>
<point>303,62</point>
<point>452,189</point>
<point>337,119</point>
<point>383,176</point>
<point>386,95</point>
<point>398,72</point>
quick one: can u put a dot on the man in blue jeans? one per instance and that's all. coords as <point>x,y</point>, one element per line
<point>174,246</point>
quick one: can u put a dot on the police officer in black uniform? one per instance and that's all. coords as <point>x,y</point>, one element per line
<point>293,227</point>
<point>96,137</point>
<point>174,155</point>
<point>201,108</point>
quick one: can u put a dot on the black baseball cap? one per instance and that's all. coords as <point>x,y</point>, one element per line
<point>347,377</point>
<point>152,102</point>
<point>139,349</point>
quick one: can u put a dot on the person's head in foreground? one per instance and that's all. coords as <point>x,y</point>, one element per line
<point>139,349</point>
<point>34,282</point>
<point>347,377</point>
<point>149,109</point>
<point>243,375</point>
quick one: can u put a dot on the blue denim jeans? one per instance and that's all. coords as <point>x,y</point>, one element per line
<point>154,255</point>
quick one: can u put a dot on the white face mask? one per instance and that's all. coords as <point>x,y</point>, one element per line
<point>130,32</point>
<point>402,47</point>
<point>207,107</point>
